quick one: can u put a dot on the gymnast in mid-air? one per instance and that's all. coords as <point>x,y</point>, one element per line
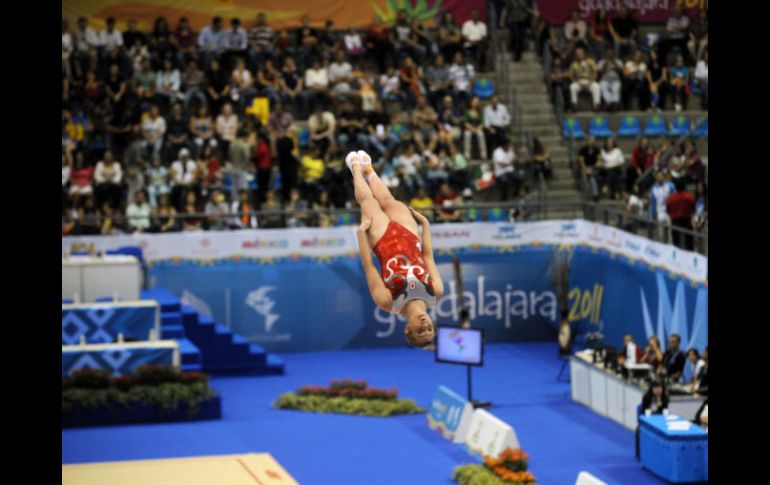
<point>409,282</point>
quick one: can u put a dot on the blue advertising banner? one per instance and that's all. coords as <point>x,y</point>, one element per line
<point>118,359</point>
<point>449,414</point>
<point>312,304</point>
<point>102,322</point>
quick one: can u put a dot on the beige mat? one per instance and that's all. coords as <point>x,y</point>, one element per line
<point>249,469</point>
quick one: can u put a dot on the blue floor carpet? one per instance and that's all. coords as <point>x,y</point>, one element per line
<point>562,437</point>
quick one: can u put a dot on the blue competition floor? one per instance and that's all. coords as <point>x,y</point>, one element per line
<point>561,437</point>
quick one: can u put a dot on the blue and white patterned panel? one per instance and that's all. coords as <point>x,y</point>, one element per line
<point>119,360</point>
<point>102,323</point>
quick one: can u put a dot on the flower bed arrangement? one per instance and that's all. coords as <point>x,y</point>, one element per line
<point>348,397</point>
<point>509,468</point>
<point>92,397</point>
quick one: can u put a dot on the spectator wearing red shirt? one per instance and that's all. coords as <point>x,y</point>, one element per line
<point>378,41</point>
<point>681,207</point>
<point>642,158</point>
<point>262,158</point>
<point>446,198</point>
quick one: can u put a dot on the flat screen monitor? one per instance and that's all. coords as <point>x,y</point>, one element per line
<point>455,345</point>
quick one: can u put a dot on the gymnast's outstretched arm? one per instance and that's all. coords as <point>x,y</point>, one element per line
<point>427,253</point>
<point>380,293</point>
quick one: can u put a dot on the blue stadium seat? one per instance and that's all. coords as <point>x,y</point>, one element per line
<point>277,184</point>
<point>345,220</point>
<point>694,87</point>
<point>655,126</point>
<point>497,215</point>
<point>629,127</point>
<point>303,140</point>
<point>680,126</point>
<point>474,215</point>
<point>599,127</point>
<point>483,88</point>
<point>701,127</point>
<point>572,128</point>
<point>104,299</point>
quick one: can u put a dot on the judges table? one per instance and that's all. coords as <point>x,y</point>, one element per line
<point>91,277</point>
<point>673,448</point>
<point>610,395</point>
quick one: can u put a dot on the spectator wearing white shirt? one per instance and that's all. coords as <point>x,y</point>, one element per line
<point>242,211</point>
<point>390,85</point>
<point>217,211</point>
<point>354,45</point>
<point>635,76</point>
<point>236,42</point>
<point>317,82</point>
<point>108,179</point>
<point>702,78</point>
<point>243,89</point>
<point>321,125</point>
<point>110,37</point>
<point>168,83</point>
<point>659,194</point>
<point>153,131</point>
<point>610,72</point>
<point>475,38</point>
<point>497,122</point>
<point>183,176</point>
<point>576,31</point>
<point>86,48</point>
<point>340,76</point>
<point>505,171</point>
<point>157,181</point>
<point>226,128</point>
<point>612,162</point>
<point>462,74</point>
<point>138,213</point>
<point>67,47</point>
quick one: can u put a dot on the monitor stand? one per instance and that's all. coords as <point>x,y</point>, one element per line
<point>475,403</point>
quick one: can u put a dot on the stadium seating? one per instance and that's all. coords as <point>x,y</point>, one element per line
<point>680,126</point>
<point>629,127</point>
<point>571,128</point>
<point>483,88</point>
<point>655,126</point>
<point>599,127</point>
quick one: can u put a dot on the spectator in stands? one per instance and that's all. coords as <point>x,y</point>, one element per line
<point>88,217</point>
<point>268,83</point>
<point>110,221</point>
<point>632,351</point>
<point>86,48</point>
<point>115,88</point>
<point>226,128</point>
<point>657,81</point>
<point>449,35</point>
<point>697,365</point>
<point>576,31</point>
<point>322,203</point>
<point>400,35</point>
<point>437,81</point>
<point>177,130</point>
<point>505,171</point>
<point>541,160</point>
<point>311,171</point>
<point>354,44</point>
<point>588,160</point>
<point>516,15</point>
<point>154,130</point>
<point>218,86</point>
<point>421,202</point>
<point>583,73</point>
<point>191,220</point>
<point>653,355</point>
<point>279,125</point>
<point>702,78</point>
<point>677,35</point>
<point>185,40</point>
<point>459,174</point>
<point>182,177</point>
<point>352,127</point>
<point>157,181</point>
<point>462,75</point>
<point>317,83</point>
<point>699,35</point>
<point>295,208</point>
<point>340,77</point>
<point>680,84</point>
<point>138,213</point>
<point>390,85</point>
<point>239,156</point>
<point>700,218</point>
<point>445,200</point>
<point>673,358</point>
<point>497,122</point>
<point>659,194</point>
<point>81,178</point>
<point>262,158</point>
<point>420,41</point>
<point>378,41</point>
<point>145,80</point>
<point>243,88</point>
<point>449,123</point>
<point>473,124</point>
<point>67,46</point>
<point>379,130</point>
<point>560,81</point>
<point>108,180</point>
<point>642,158</point>
<point>217,211</point>
<point>681,209</point>
<point>475,38</point>
<point>635,207</point>
<point>110,37</point>
<point>293,87</point>
<point>412,164</point>
<point>307,43</point>
<point>624,29</point>
<point>436,166</point>
<point>676,162</point>
<point>242,211</point>
<point>600,37</point>
<point>193,82</point>
<point>161,42</point>
<point>261,38</point>
<point>610,72</point>
<point>701,382</point>
<point>164,215</point>
<point>132,36</point>
<point>322,125</point>
<point>201,129</point>
<point>411,87</point>
<point>635,82</point>
<point>133,181</point>
<point>424,120</point>
<point>612,163</point>
<point>236,43</point>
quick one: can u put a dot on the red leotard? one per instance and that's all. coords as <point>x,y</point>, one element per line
<point>400,255</point>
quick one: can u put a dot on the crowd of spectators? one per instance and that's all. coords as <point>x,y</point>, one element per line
<point>608,59</point>
<point>161,130</point>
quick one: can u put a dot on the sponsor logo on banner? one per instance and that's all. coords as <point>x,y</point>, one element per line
<point>651,251</point>
<point>317,242</point>
<point>632,246</point>
<point>260,302</point>
<point>568,230</point>
<point>594,236</point>
<point>614,241</point>
<point>265,244</point>
<point>505,232</point>
<point>204,248</point>
<point>448,234</point>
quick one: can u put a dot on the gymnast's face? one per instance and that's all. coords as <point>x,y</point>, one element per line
<point>419,329</point>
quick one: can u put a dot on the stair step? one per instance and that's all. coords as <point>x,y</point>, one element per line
<point>170,318</point>
<point>172,332</point>
<point>191,367</point>
<point>190,353</point>
<point>168,302</point>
